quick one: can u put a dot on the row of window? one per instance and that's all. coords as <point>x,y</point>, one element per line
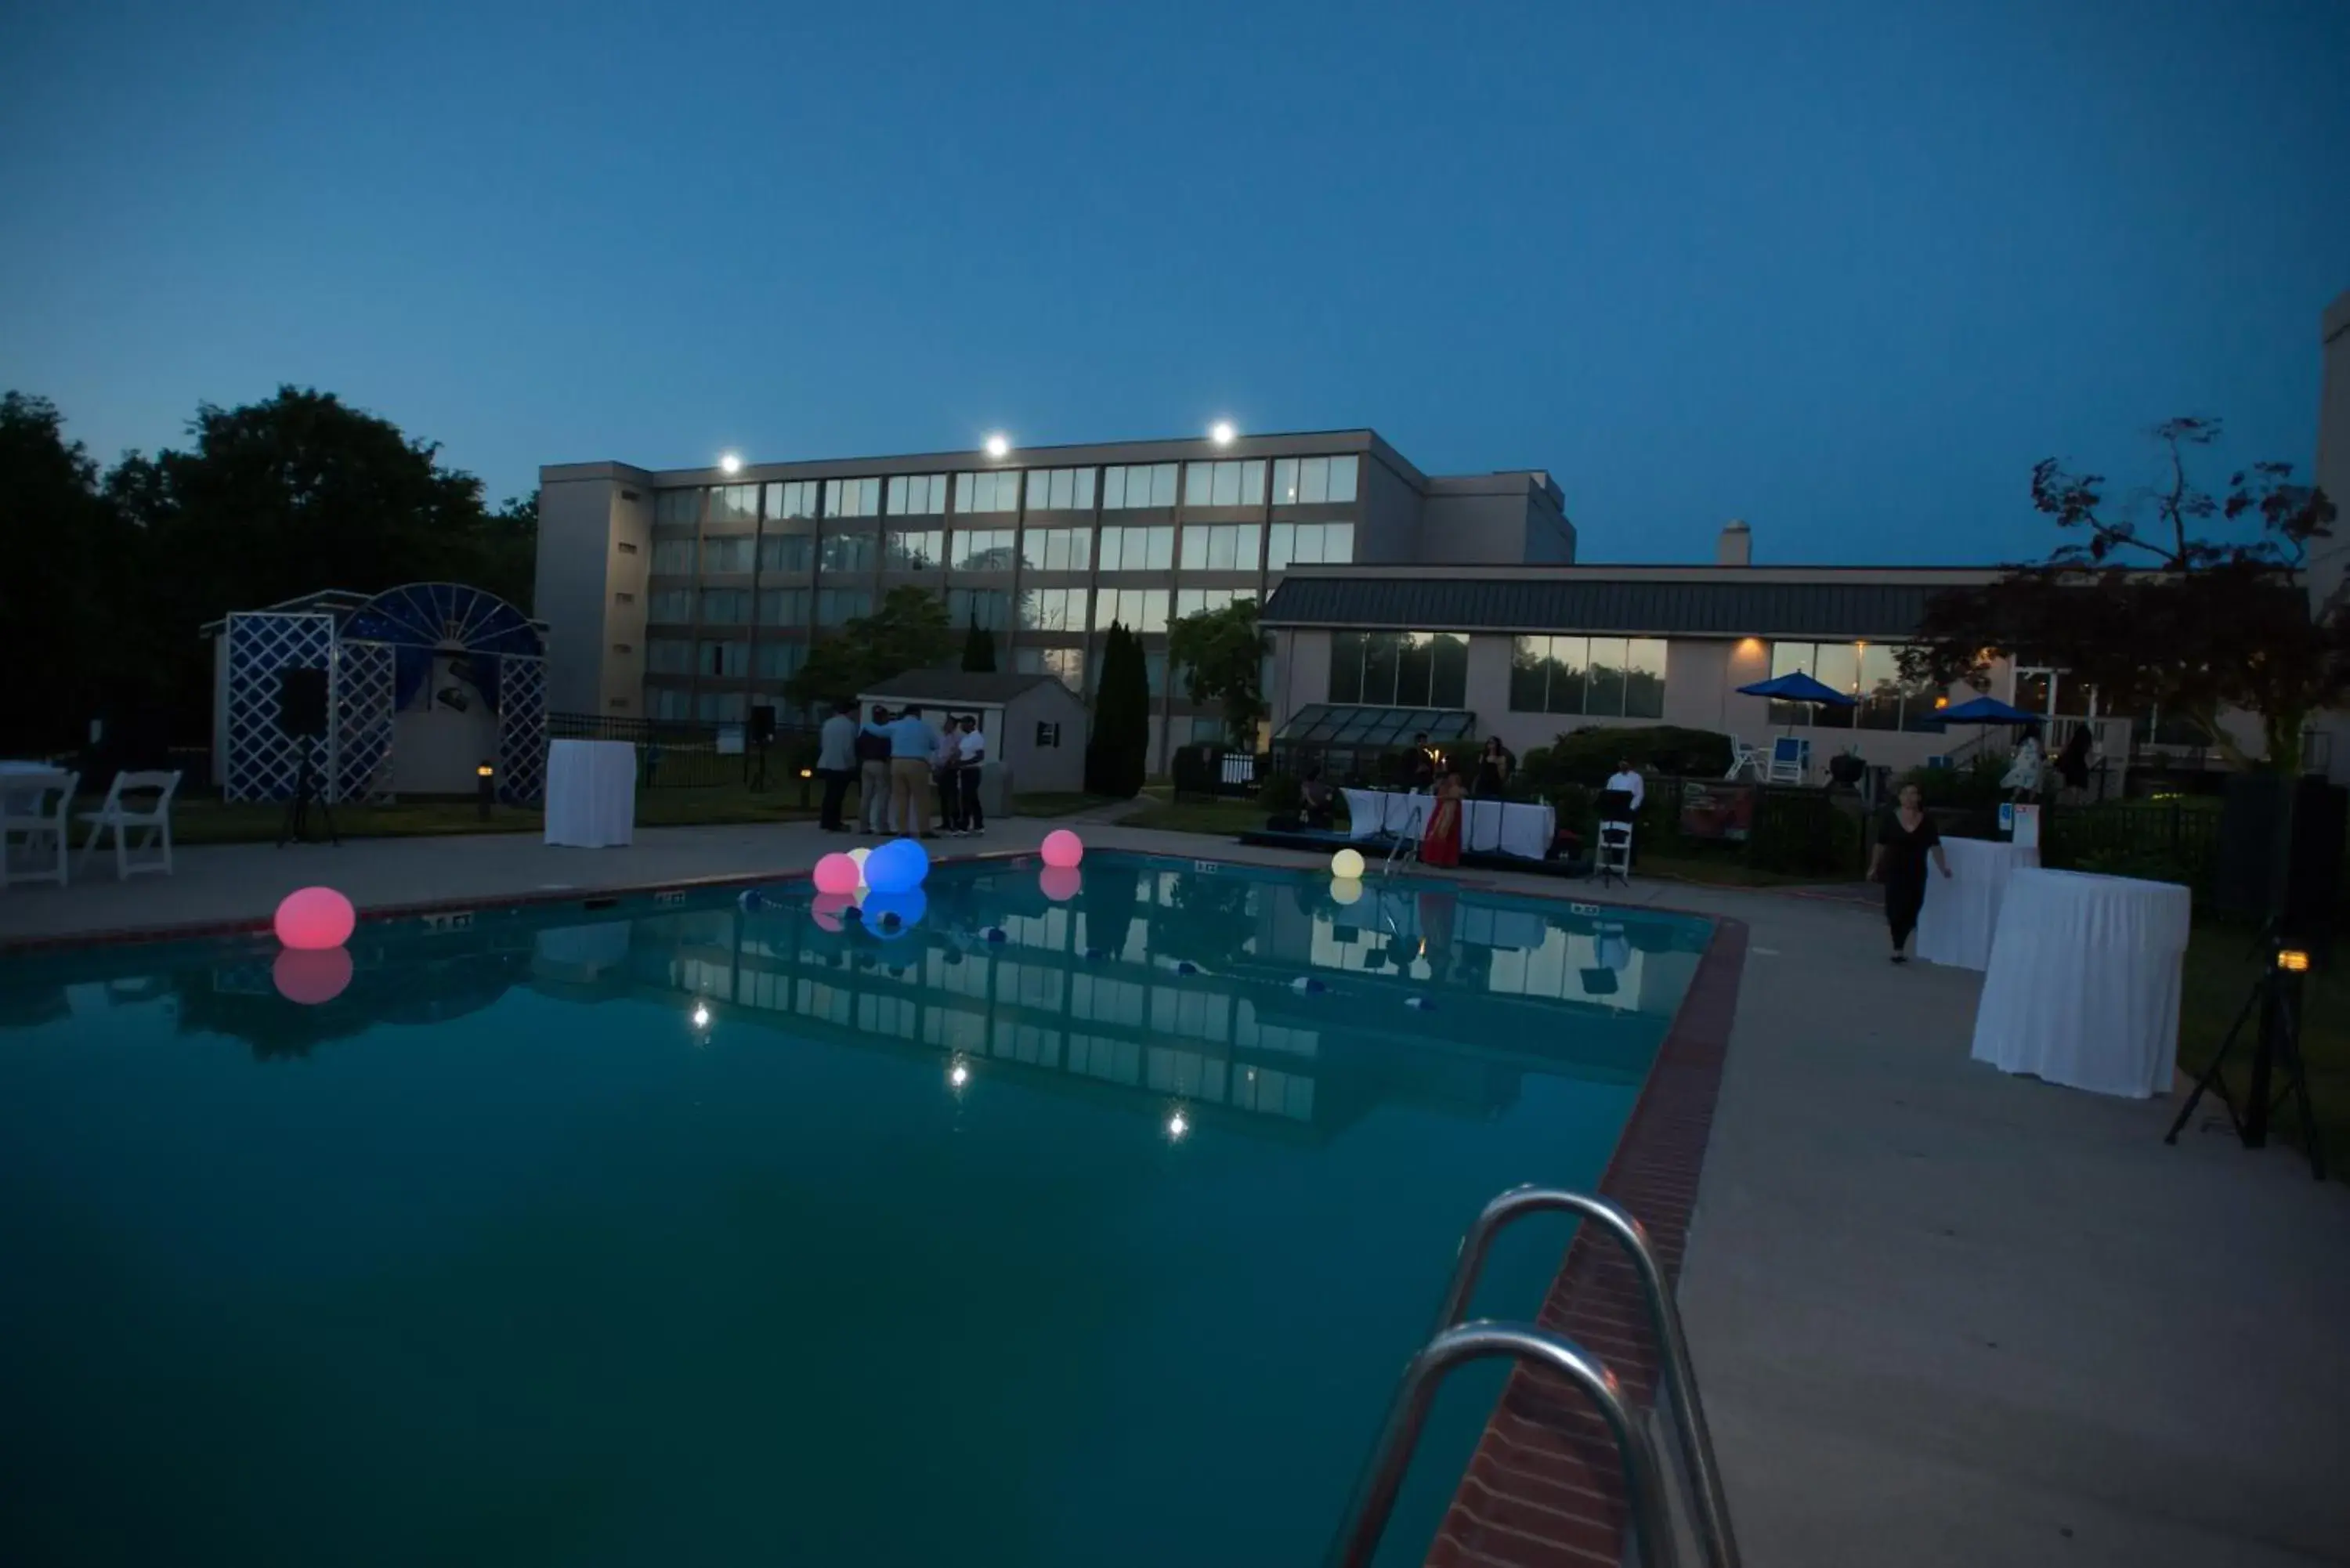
<point>1208,548</point>
<point>1399,669</point>
<point>724,656</point>
<point>1871,672</point>
<point>775,606</point>
<point>1602,677</point>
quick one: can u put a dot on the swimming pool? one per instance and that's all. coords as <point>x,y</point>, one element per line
<point>684,1228</point>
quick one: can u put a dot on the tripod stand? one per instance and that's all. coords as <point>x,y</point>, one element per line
<point>2275,998</point>
<point>297,825</point>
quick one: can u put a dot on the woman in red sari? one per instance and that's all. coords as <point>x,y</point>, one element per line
<point>1440,842</point>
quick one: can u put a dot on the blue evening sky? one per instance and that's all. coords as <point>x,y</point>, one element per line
<point>1845,270</point>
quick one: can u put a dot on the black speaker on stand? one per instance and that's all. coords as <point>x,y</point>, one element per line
<point>302,713</point>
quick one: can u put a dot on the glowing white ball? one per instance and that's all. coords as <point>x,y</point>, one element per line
<point>1348,865</point>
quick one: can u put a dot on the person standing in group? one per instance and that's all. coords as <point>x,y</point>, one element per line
<point>835,763</point>
<point>2072,761</point>
<point>1899,860</point>
<point>1493,767</point>
<point>1628,778</point>
<point>912,743</point>
<point>873,773</point>
<point>1423,764</point>
<point>1440,842</point>
<point>946,770</point>
<point>974,757</point>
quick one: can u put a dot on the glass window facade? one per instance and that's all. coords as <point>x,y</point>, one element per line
<point>730,553</point>
<point>913,549</point>
<point>673,702</point>
<point>669,656</point>
<point>1314,481</point>
<point>917,494</point>
<point>1067,663</point>
<point>793,498</point>
<point>1236,483</point>
<point>720,707</point>
<point>729,657</point>
<point>987,492</point>
<point>1399,669</point>
<point>677,508</point>
<point>784,606</point>
<point>733,503</point>
<point>1291,544</point>
<point>990,607</point>
<point>1605,677</point>
<point>778,660</point>
<point>674,607</point>
<point>1870,671</point>
<point>1060,490</point>
<point>1137,549</point>
<point>725,606</point>
<point>980,549</point>
<point>839,606</point>
<point>852,498</point>
<point>1057,549</point>
<point>1054,609</point>
<point>849,552</point>
<point>1146,485</point>
<point>1192,601</point>
<point>788,553</point>
<point>673,557</point>
<point>1221,547</point>
<point>1137,609</point>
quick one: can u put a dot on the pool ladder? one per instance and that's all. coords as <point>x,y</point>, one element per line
<point>1456,1344</point>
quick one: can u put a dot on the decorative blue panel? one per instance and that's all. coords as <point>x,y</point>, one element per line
<point>521,731</point>
<point>363,709</point>
<point>263,759</point>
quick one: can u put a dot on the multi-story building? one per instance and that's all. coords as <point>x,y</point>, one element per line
<point>696,594</point>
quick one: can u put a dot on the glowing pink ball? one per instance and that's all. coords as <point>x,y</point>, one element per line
<point>312,918</point>
<point>1063,848</point>
<point>1060,883</point>
<point>311,975</point>
<point>837,874</point>
<point>827,909</point>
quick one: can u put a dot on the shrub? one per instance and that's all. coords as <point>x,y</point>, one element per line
<point>1974,785</point>
<point>1280,794</point>
<point>1120,743</point>
<point>1587,756</point>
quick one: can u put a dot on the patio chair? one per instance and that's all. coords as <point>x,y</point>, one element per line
<point>25,809</point>
<point>1791,761</point>
<point>1744,759</point>
<point>119,814</point>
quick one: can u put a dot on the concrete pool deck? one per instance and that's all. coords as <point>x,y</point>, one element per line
<point>1940,1316</point>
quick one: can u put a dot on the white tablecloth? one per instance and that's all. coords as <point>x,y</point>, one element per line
<point>591,794</point>
<point>2083,988</point>
<point>1509,827</point>
<point>1962,909</point>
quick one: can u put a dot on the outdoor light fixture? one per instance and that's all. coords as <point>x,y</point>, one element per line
<point>959,1075</point>
<point>1177,1126</point>
<point>2292,960</point>
<point>806,774</point>
<point>700,1015</point>
<point>730,464</point>
<point>999,445</point>
<point>484,787</point>
<point>1221,432</point>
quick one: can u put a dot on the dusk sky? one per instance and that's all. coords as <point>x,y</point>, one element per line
<point>1844,270</point>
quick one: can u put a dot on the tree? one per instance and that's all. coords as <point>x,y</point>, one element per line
<point>978,648</point>
<point>1117,752</point>
<point>1221,653</point>
<point>509,551</point>
<point>62,632</point>
<point>2138,603</point>
<point>909,630</point>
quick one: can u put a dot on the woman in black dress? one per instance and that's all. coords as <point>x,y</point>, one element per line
<point>1493,770</point>
<point>1899,862</point>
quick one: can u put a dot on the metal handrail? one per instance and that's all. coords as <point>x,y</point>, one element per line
<point>1367,1515</point>
<point>1680,1377</point>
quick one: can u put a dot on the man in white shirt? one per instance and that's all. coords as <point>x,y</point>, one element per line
<point>974,753</point>
<point>1628,778</point>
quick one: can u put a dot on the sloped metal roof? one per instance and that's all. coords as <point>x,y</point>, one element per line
<point>1630,606</point>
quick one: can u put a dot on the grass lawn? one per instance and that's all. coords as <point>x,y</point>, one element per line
<point>202,821</point>
<point>2217,975</point>
<point>1055,804</point>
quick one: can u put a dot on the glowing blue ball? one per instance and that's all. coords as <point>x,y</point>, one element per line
<point>891,914</point>
<point>898,867</point>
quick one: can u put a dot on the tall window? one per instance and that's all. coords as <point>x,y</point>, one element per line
<point>980,549</point>
<point>990,607</point>
<point>786,553</point>
<point>838,606</point>
<point>720,707</point>
<point>669,656</point>
<point>913,549</point>
<point>735,503</point>
<point>1399,669</point>
<point>1229,484</point>
<point>1146,484</point>
<point>672,606</point>
<point>1067,663</point>
<point>784,606</point>
<point>1060,490</point>
<point>672,702</point>
<point>1137,549</point>
<point>674,557</point>
<point>1054,609</point>
<point>1057,550</point>
<point>793,498</point>
<point>729,554</point>
<point>779,661</point>
<point>1137,609</point>
<point>848,552</point>
<point>1870,671</point>
<point>1223,548</point>
<point>987,492</point>
<point>852,497</point>
<point>731,657</point>
<point>725,606</point>
<point>1291,544</point>
<point>917,494</point>
<point>1192,601</point>
<point>677,508</point>
<point>1313,480</point>
<point>1605,677</point>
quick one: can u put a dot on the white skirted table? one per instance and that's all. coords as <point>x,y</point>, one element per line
<point>1524,828</point>
<point>591,794</point>
<point>2083,988</point>
<point>1961,910</point>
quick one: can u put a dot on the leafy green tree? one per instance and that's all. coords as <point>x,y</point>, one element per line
<point>1222,655</point>
<point>978,648</point>
<point>68,553</point>
<point>907,631</point>
<point>1117,750</point>
<point>509,551</point>
<point>2140,604</point>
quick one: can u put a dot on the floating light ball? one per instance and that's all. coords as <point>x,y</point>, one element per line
<point>829,909</point>
<point>859,854</point>
<point>312,919</point>
<point>1348,865</point>
<point>1344,890</point>
<point>311,975</point>
<point>891,914</point>
<point>898,867</point>
<point>1063,848</point>
<point>1060,883</point>
<point>836,873</point>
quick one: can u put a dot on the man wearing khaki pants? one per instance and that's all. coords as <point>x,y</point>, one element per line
<point>912,743</point>
<point>873,773</point>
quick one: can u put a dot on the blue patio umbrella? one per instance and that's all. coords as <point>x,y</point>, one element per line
<point>1798,687</point>
<point>1987,711</point>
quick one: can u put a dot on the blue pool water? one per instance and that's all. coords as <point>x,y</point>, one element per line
<point>500,1257</point>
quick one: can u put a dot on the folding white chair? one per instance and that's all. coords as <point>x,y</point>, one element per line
<point>1744,759</point>
<point>119,814</point>
<point>1790,760</point>
<point>25,809</point>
